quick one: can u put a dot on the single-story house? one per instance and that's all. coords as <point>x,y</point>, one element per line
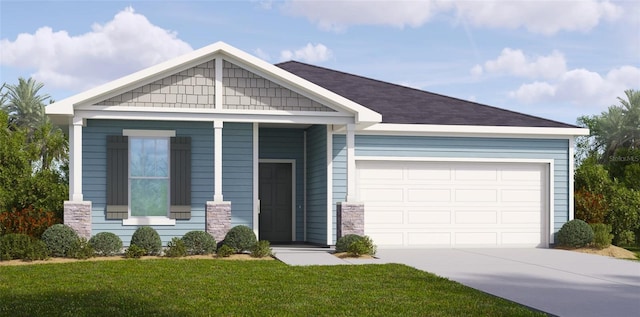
<point>218,138</point>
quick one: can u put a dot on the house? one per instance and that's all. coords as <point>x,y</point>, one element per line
<point>218,138</point>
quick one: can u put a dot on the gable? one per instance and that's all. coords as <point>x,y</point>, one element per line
<point>194,88</point>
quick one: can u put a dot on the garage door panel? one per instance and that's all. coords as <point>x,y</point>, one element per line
<point>429,217</point>
<point>476,195</point>
<point>428,195</point>
<point>476,217</point>
<point>452,203</point>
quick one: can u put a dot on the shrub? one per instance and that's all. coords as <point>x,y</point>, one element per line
<point>106,244</point>
<point>22,246</point>
<point>361,247</point>
<point>81,249</point>
<point>575,233</point>
<point>134,252</point>
<point>148,239</point>
<point>27,221</point>
<point>624,215</point>
<point>342,245</point>
<point>175,248</point>
<point>625,238</point>
<point>199,242</point>
<point>602,236</point>
<point>59,239</point>
<point>262,249</point>
<point>590,207</point>
<point>240,238</point>
<point>225,251</point>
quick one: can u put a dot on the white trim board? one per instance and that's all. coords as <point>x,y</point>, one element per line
<point>549,177</point>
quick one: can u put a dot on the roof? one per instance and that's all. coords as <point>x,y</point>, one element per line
<point>405,105</point>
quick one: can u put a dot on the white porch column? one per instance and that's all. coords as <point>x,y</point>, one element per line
<point>217,160</point>
<point>75,159</point>
<point>351,163</point>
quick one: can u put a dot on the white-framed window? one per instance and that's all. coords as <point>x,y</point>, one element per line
<point>149,177</point>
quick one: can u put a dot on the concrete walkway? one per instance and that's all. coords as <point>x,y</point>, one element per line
<point>558,282</point>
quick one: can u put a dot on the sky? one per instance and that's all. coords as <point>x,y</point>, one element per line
<point>557,59</point>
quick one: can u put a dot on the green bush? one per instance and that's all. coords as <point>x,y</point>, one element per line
<point>262,249</point>
<point>602,236</point>
<point>625,238</point>
<point>625,211</point>
<point>176,248</point>
<point>342,245</point>
<point>134,252</point>
<point>81,249</point>
<point>240,238</point>
<point>199,242</point>
<point>225,251</point>
<point>21,246</point>
<point>361,247</point>
<point>575,233</point>
<point>148,239</point>
<point>106,244</point>
<point>59,239</point>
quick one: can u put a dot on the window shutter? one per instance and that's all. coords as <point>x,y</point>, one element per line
<point>117,177</point>
<point>180,178</point>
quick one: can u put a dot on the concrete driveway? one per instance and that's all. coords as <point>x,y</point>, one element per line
<point>558,282</point>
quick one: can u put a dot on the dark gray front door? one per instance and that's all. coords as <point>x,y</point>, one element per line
<point>275,202</point>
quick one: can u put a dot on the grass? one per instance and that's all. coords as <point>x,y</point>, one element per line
<point>634,249</point>
<point>179,287</point>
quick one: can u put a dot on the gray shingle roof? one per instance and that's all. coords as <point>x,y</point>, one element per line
<point>399,104</point>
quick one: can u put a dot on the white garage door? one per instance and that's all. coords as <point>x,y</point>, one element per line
<point>460,204</point>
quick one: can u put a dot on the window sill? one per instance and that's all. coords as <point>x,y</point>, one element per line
<point>148,221</point>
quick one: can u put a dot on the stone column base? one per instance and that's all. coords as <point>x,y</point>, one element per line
<point>350,219</point>
<point>77,215</point>
<point>218,219</point>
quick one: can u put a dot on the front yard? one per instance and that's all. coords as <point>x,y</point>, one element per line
<point>206,287</point>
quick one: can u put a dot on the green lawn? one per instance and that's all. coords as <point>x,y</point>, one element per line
<point>180,287</point>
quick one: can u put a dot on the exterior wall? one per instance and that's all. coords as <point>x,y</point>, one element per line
<point>287,144</point>
<point>191,88</point>
<point>317,184</point>
<point>410,146</point>
<point>246,90</point>
<point>339,177</point>
<point>237,171</point>
<point>94,173</point>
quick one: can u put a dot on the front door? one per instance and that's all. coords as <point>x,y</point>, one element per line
<point>275,196</point>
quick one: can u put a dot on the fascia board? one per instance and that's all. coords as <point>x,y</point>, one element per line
<point>471,130</point>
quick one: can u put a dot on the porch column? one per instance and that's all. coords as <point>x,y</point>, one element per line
<point>217,160</point>
<point>351,163</point>
<point>75,159</point>
<point>77,212</point>
<point>350,214</point>
<point>218,211</point>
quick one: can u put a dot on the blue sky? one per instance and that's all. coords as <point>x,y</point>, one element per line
<point>555,59</point>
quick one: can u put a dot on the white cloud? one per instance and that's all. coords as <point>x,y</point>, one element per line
<point>582,87</point>
<point>262,54</point>
<point>545,17</point>
<point>310,53</point>
<point>514,62</point>
<point>121,46</point>
<point>338,15</point>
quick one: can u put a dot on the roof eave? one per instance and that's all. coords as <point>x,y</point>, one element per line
<point>475,130</point>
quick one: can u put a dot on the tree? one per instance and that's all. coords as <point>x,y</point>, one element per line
<point>25,105</point>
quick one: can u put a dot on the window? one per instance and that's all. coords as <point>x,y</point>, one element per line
<point>149,176</point>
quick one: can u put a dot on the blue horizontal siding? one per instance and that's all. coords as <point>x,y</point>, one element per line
<point>317,184</point>
<point>237,171</point>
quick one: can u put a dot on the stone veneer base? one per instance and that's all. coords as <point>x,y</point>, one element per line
<point>218,219</point>
<point>350,218</point>
<point>77,215</point>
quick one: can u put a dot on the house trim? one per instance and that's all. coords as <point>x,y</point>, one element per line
<point>471,131</point>
<point>548,178</point>
<point>329,185</point>
<point>293,192</point>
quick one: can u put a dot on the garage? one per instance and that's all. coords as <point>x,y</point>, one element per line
<point>454,204</point>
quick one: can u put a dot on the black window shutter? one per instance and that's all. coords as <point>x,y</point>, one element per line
<point>180,178</point>
<point>117,177</point>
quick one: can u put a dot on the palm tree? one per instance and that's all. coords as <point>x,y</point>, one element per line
<point>25,105</point>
